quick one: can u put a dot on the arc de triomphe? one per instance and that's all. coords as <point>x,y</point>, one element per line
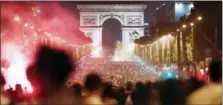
<point>131,17</point>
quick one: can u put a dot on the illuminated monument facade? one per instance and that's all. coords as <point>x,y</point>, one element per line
<point>130,16</point>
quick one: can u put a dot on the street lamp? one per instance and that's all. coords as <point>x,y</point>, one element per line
<point>199,18</point>
<point>178,30</point>
<point>169,35</point>
<point>32,27</point>
<point>184,26</point>
<point>191,24</point>
<point>26,24</point>
<point>16,18</point>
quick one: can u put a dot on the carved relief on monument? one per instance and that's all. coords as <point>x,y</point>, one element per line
<point>134,35</point>
<point>89,34</point>
<point>121,17</point>
<point>89,20</point>
<point>134,20</point>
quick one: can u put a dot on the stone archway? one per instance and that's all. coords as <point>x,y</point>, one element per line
<point>131,17</point>
<point>111,33</point>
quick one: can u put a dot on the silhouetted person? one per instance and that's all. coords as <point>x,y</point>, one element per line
<point>212,92</point>
<point>152,94</point>
<point>78,93</point>
<point>129,88</point>
<point>77,90</point>
<point>140,95</point>
<point>171,93</point>
<point>93,86</point>
<point>48,76</point>
<point>18,95</point>
<point>120,96</point>
<point>128,91</point>
<point>4,99</point>
<point>108,95</point>
<point>192,85</point>
<point>2,80</point>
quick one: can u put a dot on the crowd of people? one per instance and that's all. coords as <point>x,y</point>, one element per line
<point>116,72</point>
<point>48,76</point>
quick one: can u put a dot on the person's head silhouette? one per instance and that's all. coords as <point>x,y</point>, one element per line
<point>50,70</point>
<point>2,80</point>
<point>215,71</point>
<point>93,83</point>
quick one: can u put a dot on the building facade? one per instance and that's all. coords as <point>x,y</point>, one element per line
<point>172,11</point>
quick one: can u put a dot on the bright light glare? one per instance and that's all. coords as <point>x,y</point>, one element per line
<point>191,5</point>
<point>169,35</point>
<point>179,7</point>
<point>26,24</point>
<point>96,53</point>
<point>131,47</point>
<point>169,74</point>
<point>199,18</point>
<point>115,58</point>
<point>30,90</point>
<point>16,18</point>
<point>16,73</point>
<point>49,34</point>
<point>202,71</point>
<point>191,24</point>
<point>2,69</point>
<point>163,38</point>
<point>38,11</point>
<point>178,30</point>
<point>184,26</point>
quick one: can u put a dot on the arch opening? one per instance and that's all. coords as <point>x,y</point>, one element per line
<point>111,33</point>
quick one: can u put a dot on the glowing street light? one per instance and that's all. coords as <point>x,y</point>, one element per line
<point>48,34</point>
<point>184,26</point>
<point>163,39</point>
<point>16,18</point>
<point>191,24</point>
<point>178,30</point>
<point>169,35</point>
<point>32,27</point>
<point>26,24</point>
<point>199,18</point>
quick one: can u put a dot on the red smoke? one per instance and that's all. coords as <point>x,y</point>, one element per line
<point>25,24</point>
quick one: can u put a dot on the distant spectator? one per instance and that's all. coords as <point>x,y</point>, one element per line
<point>4,99</point>
<point>93,86</point>
<point>212,92</point>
